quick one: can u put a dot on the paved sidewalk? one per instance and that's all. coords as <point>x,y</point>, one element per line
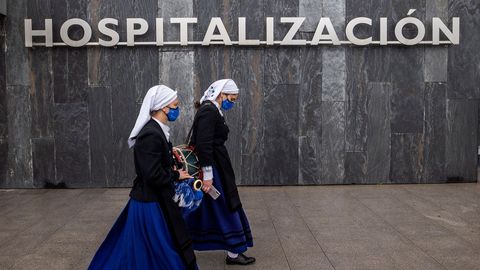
<point>322,227</point>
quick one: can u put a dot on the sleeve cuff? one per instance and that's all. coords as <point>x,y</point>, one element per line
<point>207,172</point>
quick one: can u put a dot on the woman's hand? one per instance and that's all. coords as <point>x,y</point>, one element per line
<point>183,175</point>
<point>207,184</point>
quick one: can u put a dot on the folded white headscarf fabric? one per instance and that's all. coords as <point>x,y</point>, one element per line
<point>157,97</point>
<point>226,86</point>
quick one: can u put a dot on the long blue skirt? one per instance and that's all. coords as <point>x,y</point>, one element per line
<point>213,226</point>
<point>139,239</point>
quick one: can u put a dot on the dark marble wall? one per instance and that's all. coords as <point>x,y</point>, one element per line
<point>307,115</point>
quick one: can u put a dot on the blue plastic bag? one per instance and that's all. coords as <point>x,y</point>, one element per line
<point>186,196</point>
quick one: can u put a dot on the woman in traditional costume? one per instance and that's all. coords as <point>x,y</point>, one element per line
<point>218,224</point>
<point>150,232</point>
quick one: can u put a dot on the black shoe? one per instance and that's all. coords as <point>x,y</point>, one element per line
<point>240,260</point>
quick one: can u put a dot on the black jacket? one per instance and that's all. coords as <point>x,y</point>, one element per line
<point>209,134</point>
<point>155,183</point>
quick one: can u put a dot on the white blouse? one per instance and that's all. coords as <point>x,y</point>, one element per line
<point>165,128</point>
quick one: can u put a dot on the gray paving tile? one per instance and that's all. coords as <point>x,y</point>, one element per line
<point>321,227</point>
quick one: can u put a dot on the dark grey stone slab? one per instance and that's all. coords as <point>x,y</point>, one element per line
<point>436,64</point>
<point>377,61</point>
<point>435,132</point>
<point>3,109</point>
<point>407,90</point>
<point>144,62</point>
<point>399,10</point>
<point>70,64</point>
<point>334,74</point>
<point>436,58</point>
<point>436,8</point>
<point>19,172</point>
<point>356,100</point>
<point>177,72</point>
<point>335,9</point>
<point>60,73</point>
<point>77,83</point>
<point>99,58</point>
<point>253,11</point>
<point>3,90</point>
<point>378,64</point>
<point>252,140</point>
<point>406,164</point>
<point>43,161</point>
<point>283,65</point>
<point>211,64</point>
<point>354,9</point>
<point>228,11</point>
<point>72,148</point>
<point>277,9</point>
<point>310,117</point>
<point>242,73</point>
<point>94,14</point>
<point>38,11</point>
<point>100,135</point>
<point>147,9</point>
<point>378,133</point>
<point>356,168</point>
<point>16,53</point>
<point>204,10</point>
<point>3,163</point>
<point>333,143</point>
<point>310,151</point>
<point>144,70</point>
<point>77,9</point>
<point>175,9</point>
<point>59,15</point>
<point>41,94</point>
<point>281,135</point>
<point>463,59</point>
<point>99,66</point>
<point>40,70</point>
<point>312,11</point>
<point>124,114</point>
<point>381,8</point>
<point>461,147</point>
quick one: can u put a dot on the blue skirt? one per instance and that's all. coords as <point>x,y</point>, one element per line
<point>213,226</point>
<point>139,239</point>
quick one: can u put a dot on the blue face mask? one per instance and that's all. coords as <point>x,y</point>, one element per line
<point>227,104</point>
<point>173,114</point>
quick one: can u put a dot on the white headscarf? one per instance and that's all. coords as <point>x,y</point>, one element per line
<point>226,86</point>
<point>157,97</point>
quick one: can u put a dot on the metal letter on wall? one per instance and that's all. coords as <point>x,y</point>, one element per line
<point>218,34</point>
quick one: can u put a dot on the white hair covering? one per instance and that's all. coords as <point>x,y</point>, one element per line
<point>226,86</point>
<point>157,97</point>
